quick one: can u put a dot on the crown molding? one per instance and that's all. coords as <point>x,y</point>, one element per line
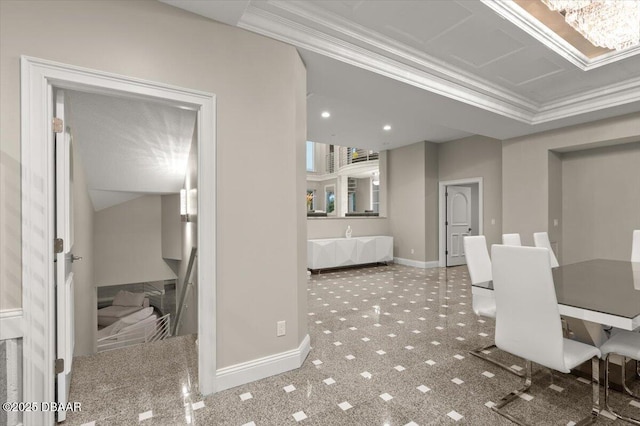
<point>610,96</point>
<point>451,85</point>
<point>308,27</point>
<point>510,11</point>
<point>367,38</point>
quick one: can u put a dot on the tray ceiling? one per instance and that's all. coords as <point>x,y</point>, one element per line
<point>461,57</point>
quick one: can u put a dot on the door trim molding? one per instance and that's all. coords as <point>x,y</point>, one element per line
<point>38,76</point>
<point>442,212</point>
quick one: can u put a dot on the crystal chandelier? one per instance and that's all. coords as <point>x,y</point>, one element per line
<point>614,24</point>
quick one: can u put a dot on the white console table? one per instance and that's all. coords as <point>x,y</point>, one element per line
<point>338,252</point>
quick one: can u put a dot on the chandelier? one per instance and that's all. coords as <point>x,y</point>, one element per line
<point>614,24</point>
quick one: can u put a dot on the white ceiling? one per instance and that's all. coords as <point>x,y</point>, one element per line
<point>129,147</point>
<point>434,70</point>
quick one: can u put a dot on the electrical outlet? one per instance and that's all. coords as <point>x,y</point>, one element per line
<point>555,222</point>
<point>493,221</point>
<point>412,251</point>
<point>281,328</point>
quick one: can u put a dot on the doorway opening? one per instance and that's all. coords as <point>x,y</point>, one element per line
<point>39,77</point>
<point>460,214</point>
<point>131,162</point>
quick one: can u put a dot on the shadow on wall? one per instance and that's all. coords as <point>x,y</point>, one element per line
<point>10,235</point>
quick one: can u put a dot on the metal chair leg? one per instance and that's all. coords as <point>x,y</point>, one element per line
<point>480,354</point>
<point>513,395</point>
<point>623,379</point>
<point>595,389</point>
<point>606,394</point>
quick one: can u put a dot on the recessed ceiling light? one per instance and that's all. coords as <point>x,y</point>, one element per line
<point>386,127</point>
<point>325,114</point>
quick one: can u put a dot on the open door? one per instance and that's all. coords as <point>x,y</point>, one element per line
<point>458,224</point>
<point>64,257</point>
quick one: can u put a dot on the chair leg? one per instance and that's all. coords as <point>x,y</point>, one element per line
<point>480,354</point>
<point>595,389</point>
<point>606,395</point>
<point>514,395</point>
<point>623,379</point>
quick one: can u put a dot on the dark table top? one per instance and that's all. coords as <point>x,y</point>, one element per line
<point>607,286</point>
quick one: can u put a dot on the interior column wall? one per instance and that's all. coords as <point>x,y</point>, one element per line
<point>406,195</point>
<point>254,80</point>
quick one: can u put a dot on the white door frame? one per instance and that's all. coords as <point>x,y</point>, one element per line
<point>442,216</point>
<point>38,76</point>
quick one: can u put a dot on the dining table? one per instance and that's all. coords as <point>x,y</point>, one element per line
<point>601,291</point>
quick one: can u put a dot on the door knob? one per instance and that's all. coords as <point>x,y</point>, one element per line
<point>75,258</point>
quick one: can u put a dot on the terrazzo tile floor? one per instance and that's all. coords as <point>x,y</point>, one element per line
<point>389,347</point>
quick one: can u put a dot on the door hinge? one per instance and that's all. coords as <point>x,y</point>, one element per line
<point>58,245</point>
<point>446,223</point>
<point>57,124</point>
<point>446,252</point>
<point>59,365</point>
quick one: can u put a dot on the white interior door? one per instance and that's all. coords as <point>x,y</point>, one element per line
<point>64,257</point>
<point>458,223</point>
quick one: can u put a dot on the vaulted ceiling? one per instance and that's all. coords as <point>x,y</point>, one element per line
<point>433,70</point>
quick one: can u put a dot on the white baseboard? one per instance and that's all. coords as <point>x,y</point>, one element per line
<point>250,371</point>
<point>10,324</point>
<point>416,263</point>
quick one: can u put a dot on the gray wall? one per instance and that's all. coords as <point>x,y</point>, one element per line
<point>85,296</point>
<point>260,90</point>
<point>431,194</point>
<point>525,168</point>
<point>477,156</point>
<point>171,227</point>
<point>414,175</point>
<point>298,206</point>
<point>555,219</point>
<point>336,227</point>
<point>10,260</point>
<point>601,202</point>
<point>406,195</point>
<point>127,243</point>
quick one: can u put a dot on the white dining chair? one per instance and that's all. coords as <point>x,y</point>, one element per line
<point>627,345</point>
<point>635,246</point>
<point>541,239</point>
<point>528,321</point>
<point>479,266</point>
<point>511,240</point>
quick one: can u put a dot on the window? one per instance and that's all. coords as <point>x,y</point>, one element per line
<point>311,157</point>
